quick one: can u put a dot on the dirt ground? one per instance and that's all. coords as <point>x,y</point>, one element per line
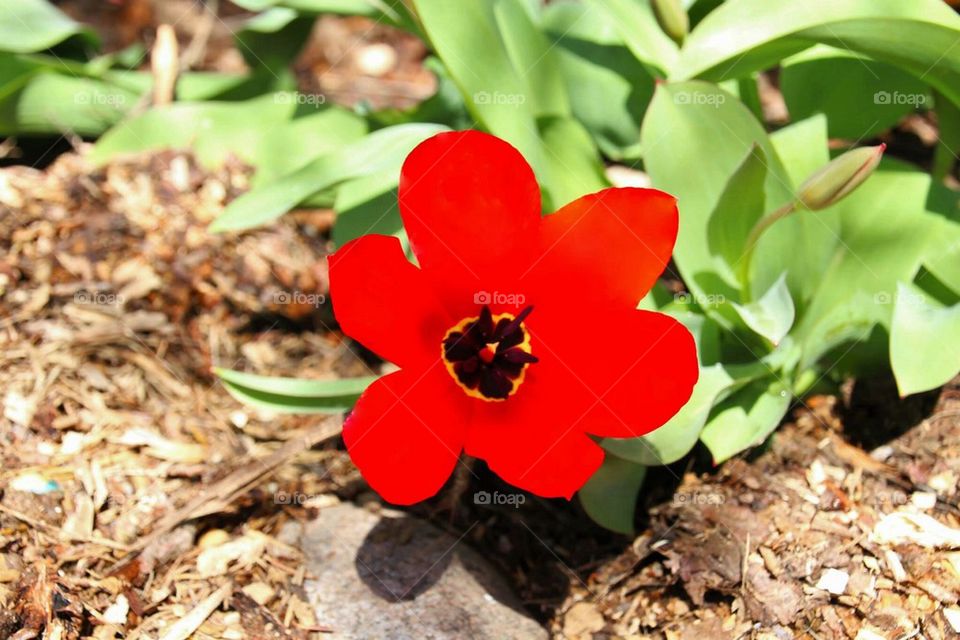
<point>116,303</point>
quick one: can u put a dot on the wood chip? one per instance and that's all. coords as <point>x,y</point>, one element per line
<point>188,624</point>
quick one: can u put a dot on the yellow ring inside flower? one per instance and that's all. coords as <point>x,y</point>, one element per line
<point>487,355</point>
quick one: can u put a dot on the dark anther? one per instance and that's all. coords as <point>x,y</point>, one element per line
<point>489,355</point>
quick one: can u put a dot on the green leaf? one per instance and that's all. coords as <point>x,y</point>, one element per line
<point>465,33</point>
<point>391,12</point>
<point>640,30</point>
<point>572,163</point>
<point>499,91</point>
<point>213,129</point>
<point>942,259</point>
<point>290,146</point>
<point>293,395</point>
<point>674,439</point>
<point>948,145</point>
<point>287,404</point>
<point>297,387</point>
<point>534,58</point>
<point>607,86</point>
<point>695,136</point>
<point>871,98</point>
<point>273,39</point>
<point>746,418</point>
<point>944,262</point>
<point>772,315</point>
<point>27,26</point>
<point>368,205</point>
<point>741,205</point>
<point>677,437</point>
<point>610,496</point>
<point>885,231</point>
<point>195,86</point>
<point>748,35</point>
<point>380,151</point>
<point>52,103</point>
<point>802,146</point>
<point>801,245</point>
<point>924,341</point>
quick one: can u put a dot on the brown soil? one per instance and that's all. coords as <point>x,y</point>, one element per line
<point>116,302</point>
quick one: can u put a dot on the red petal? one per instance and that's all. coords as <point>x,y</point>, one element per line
<point>606,248</point>
<point>535,439</point>
<point>384,302</point>
<point>406,433</point>
<point>638,366</point>
<point>471,207</point>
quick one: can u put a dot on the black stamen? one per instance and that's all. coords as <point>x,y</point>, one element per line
<point>519,356</point>
<point>493,377</point>
<point>516,322</point>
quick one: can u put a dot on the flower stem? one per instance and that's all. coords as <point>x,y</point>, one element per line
<point>762,225</point>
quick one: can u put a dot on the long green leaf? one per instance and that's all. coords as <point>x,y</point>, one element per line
<point>571,160</point>
<point>213,129</point>
<point>747,35</point>
<point>740,206</point>
<point>497,72</point>
<point>924,341</point>
<point>381,150</point>
<point>288,404</point>
<point>746,418</point>
<point>694,137</point>
<point>297,387</point>
<point>871,97</point>
<point>27,26</point>
<point>885,232</point>
<point>640,30</point>
<point>534,58</point>
<point>368,205</point>
<point>607,86</point>
<point>293,395</point>
<point>772,314</point>
<point>610,496</point>
<point>53,103</point>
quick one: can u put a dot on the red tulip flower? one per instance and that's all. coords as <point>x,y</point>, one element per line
<point>518,334</point>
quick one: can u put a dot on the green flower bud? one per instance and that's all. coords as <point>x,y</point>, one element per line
<point>672,18</point>
<point>839,177</point>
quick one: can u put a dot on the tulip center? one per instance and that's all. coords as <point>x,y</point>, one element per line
<point>488,355</point>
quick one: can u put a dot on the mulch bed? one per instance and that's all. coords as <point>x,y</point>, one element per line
<point>815,538</point>
<point>116,303</point>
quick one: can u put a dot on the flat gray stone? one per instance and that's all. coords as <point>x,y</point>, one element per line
<point>388,575</point>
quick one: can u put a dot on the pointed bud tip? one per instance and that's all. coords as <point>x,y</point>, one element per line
<point>839,177</point>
